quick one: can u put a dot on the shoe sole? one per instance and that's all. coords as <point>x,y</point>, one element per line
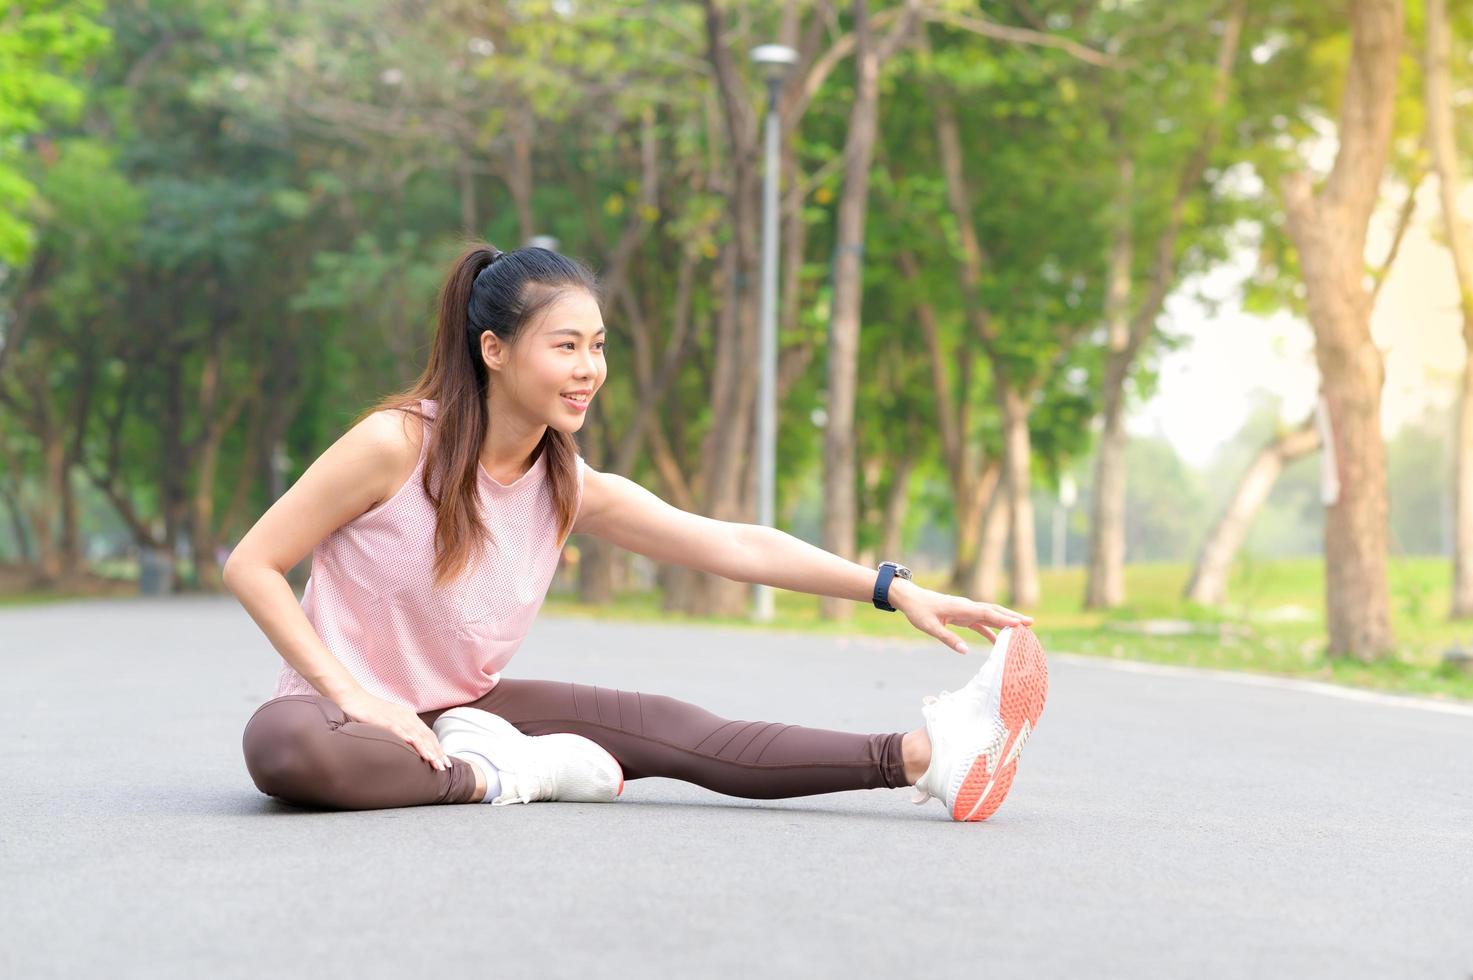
<point>471,719</point>
<point>1024,689</point>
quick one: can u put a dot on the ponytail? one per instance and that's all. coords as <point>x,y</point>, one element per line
<point>485,289</point>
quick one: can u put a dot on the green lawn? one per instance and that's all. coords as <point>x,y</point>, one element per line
<point>1273,624</point>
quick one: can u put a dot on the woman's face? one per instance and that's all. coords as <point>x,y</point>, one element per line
<point>556,365</point>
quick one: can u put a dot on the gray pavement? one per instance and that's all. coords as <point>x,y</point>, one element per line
<point>1161,825</point>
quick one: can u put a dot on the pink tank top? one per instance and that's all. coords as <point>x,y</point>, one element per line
<point>372,600</point>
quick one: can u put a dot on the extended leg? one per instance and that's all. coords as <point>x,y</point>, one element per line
<point>655,735</point>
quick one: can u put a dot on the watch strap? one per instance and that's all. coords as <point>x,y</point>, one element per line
<point>882,586</point>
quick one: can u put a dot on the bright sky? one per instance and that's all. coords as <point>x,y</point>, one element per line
<point>1207,387</point>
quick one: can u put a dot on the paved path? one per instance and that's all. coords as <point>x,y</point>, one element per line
<point>1161,825</point>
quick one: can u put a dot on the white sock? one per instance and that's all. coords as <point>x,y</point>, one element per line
<point>487,767</point>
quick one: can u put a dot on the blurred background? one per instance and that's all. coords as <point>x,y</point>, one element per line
<point>1148,317</point>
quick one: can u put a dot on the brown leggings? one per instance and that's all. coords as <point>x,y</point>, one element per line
<point>302,748</point>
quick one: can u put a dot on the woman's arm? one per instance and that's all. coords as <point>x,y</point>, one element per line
<point>626,514</point>
<point>350,477</point>
<point>268,597</point>
<point>776,558</point>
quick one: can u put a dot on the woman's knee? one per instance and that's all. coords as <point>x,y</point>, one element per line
<point>284,747</point>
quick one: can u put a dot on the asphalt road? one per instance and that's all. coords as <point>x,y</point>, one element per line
<point>1162,824</point>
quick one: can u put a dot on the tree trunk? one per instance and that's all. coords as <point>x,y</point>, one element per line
<point>519,172</point>
<point>724,482</point>
<point>1208,584</point>
<point>1129,333</point>
<point>1013,401</point>
<point>43,514</point>
<point>595,556</point>
<point>18,526</point>
<point>1441,141</point>
<point>202,520</point>
<point>469,220</point>
<point>728,442</point>
<point>985,582</point>
<point>1462,607</point>
<point>725,455</point>
<point>1017,460</point>
<point>72,558</point>
<point>973,478</point>
<point>1329,232</point>
<point>217,417</point>
<point>1105,585</point>
<point>10,490</point>
<point>896,502</point>
<point>69,550</point>
<point>595,570</point>
<point>838,451</point>
<point>970,504</point>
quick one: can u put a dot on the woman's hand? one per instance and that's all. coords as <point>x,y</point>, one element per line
<point>931,612</point>
<point>364,707</point>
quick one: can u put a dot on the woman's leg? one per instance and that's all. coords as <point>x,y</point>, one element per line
<point>302,749</point>
<point>654,735</point>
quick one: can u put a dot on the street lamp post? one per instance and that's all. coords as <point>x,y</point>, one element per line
<point>1068,495</point>
<point>774,61</point>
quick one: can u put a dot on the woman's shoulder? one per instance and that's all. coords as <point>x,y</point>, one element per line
<point>396,436</point>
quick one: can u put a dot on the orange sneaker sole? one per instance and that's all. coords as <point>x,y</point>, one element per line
<point>1024,689</point>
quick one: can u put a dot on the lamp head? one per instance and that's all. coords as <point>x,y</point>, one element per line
<point>774,60</point>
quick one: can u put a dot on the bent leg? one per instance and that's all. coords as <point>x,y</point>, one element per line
<point>302,749</point>
<point>654,735</point>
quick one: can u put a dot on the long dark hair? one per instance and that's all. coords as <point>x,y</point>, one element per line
<point>486,289</point>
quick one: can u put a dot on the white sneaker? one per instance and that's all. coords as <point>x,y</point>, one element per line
<point>562,766</point>
<point>978,732</point>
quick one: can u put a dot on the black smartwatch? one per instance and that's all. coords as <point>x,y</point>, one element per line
<point>888,570</point>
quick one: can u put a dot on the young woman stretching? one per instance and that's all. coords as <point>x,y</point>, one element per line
<point>435,525</point>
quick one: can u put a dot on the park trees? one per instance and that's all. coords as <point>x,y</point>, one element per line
<point>871,51</point>
<point>44,48</point>
<point>1208,582</point>
<point>1134,299</point>
<point>1328,228</point>
<point>1026,183</point>
<point>1442,144</point>
<point>1024,251</point>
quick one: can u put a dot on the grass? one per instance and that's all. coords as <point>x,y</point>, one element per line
<point>1273,624</point>
<point>95,582</point>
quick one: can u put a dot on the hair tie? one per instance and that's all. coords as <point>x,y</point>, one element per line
<point>489,263</point>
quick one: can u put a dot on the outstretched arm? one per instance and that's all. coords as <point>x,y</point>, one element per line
<point>624,513</point>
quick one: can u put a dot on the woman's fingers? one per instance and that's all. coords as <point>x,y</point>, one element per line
<point>984,617</point>
<point>938,629</point>
<point>439,758</point>
<point>1013,618</point>
<point>428,747</point>
<point>985,613</point>
<point>981,614</point>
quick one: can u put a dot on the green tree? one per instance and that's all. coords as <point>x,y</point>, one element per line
<point>43,45</point>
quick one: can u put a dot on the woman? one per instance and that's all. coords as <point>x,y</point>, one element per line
<point>435,524</point>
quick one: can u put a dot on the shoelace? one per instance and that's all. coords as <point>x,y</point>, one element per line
<point>921,795</point>
<point>966,692</point>
<point>533,785</point>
